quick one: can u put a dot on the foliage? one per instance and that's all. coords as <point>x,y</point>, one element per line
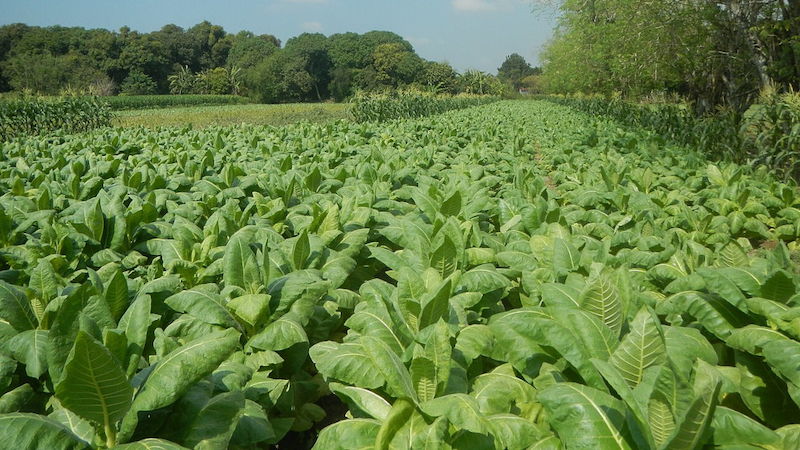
<point>409,104</point>
<point>716,53</point>
<point>32,115</point>
<point>514,70</point>
<point>138,83</point>
<point>765,136</point>
<point>512,276</point>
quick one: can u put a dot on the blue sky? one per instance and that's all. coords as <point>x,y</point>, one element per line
<point>469,34</point>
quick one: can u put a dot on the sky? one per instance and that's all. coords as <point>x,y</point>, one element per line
<point>469,34</point>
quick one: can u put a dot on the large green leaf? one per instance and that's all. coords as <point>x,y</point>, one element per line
<point>30,348</point>
<point>351,434</point>
<point>444,258</point>
<point>215,424</point>
<point>398,416</point>
<point>692,428</point>
<point>641,348</point>
<point>94,386</point>
<point>730,427</point>
<point>461,410</point>
<point>764,391</point>
<point>566,258</point>
<point>205,305</point>
<point>25,431</point>
<point>348,362</point>
<point>177,372</point>
<point>398,379</point>
<point>435,305</point>
<point>362,401</point>
<point>586,418</point>
<point>601,298</point>
<point>15,309</point>
<point>240,267</point>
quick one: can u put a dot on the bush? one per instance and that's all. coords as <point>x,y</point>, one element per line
<point>138,83</point>
<point>31,115</point>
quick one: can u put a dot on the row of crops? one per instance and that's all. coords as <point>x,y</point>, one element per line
<point>512,276</point>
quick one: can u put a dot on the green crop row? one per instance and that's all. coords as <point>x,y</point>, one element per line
<point>29,116</point>
<point>409,105</point>
<point>514,276</point>
<point>767,135</point>
<point>124,102</point>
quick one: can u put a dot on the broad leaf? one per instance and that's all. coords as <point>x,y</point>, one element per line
<point>94,385</point>
<point>586,418</point>
<point>177,372</point>
<point>601,298</point>
<point>32,431</point>
<point>641,348</point>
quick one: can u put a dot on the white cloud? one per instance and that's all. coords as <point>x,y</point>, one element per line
<point>314,27</point>
<point>481,5</point>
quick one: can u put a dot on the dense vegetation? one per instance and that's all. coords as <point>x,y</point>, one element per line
<point>714,53</point>
<point>512,276</point>
<point>27,116</point>
<point>205,59</point>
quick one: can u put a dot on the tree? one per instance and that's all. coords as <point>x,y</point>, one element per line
<point>395,65</point>
<point>306,67</point>
<point>513,70</point>
<point>248,49</point>
<point>440,77</point>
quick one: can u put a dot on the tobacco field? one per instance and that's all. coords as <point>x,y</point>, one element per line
<point>517,275</point>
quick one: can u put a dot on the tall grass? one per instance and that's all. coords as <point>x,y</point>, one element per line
<point>409,105</point>
<point>33,115</point>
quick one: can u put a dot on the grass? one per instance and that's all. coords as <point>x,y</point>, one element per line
<point>204,116</point>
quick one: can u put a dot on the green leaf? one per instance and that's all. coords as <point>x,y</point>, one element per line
<point>586,418</point>
<point>348,362</point>
<point>779,286</point>
<point>301,250</point>
<point>33,432</point>
<point>116,294</point>
<point>16,399</point>
<point>362,401</point>
<point>398,416</point>
<point>398,380</point>
<point>566,258</point>
<point>204,305</point>
<point>444,258</point>
<point>764,391</point>
<point>177,372</point>
<point>731,427</point>
<point>423,375</point>
<point>452,205</point>
<point>82,428</point>
<point>691,431</point>
<point>351,434</point>
<point>214,426</point>
<point>714,314</point>
<point>94,386</point>
<point>15,309</point>
<point>639,411</point>
<point>514,432</point>
<point>239,265</point>
<point>30,348</point>
<point>251,309</point>
<point>641,348</point>
<point>784,357</point>
<point>461,410</point>
<point>661,420</point>
<point>732,255</point>
<point>437,306</point>
<point>150,444</point>
<point>600,297</point>
<point>558,294</point>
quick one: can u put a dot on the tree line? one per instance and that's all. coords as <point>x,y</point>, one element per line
<point>716,53</point>
<point>205,59</point>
